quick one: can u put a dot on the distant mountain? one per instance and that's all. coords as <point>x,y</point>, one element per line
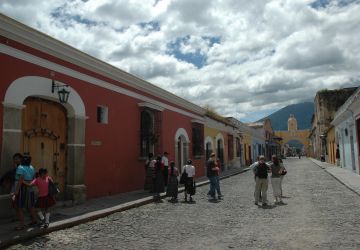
<point>302,112</point>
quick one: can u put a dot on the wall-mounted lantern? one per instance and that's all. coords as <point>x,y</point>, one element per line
<point>62,92</point>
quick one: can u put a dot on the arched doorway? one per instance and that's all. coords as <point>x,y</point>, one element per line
<point>22,132</point>
<point>208,147</point>
<point>181,148</point>
<point>44,126</point>
<point>220,152</point>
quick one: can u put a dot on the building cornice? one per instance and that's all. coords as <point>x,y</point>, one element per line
<point>150,106</point>
<point>215,124</point>
<point>346,109</point>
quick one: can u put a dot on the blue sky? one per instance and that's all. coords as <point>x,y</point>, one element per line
<point>245,59</point>
<point>195,57</point>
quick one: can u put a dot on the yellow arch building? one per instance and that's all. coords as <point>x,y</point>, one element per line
<point>294,134</point>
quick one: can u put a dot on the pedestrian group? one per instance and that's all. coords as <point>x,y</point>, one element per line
<point>261,170</point>
<point>160,174</point>
<point>20,180</point>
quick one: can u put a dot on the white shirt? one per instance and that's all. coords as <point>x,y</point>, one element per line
<point>165,161</point>
<point>190,170</point>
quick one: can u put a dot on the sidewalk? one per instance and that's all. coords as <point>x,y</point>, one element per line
<point>349,179</point>
<point>65,216</point>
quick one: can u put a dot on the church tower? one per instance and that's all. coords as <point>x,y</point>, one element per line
<point>292,124</point>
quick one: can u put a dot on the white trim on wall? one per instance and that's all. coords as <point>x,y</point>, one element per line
<point>219,136</point>
<point>8,130</point>
<point>37,86</point>
<point>151,106</point>
<point>209,139</point>
<point>86,78</point>
<point>181,132</point>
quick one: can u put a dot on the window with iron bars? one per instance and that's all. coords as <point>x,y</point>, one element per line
<point>197,140</point>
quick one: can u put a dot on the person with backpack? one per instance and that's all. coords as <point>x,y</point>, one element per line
<point>261,170</point>
<point>212,173</point>
<point>189,169</point>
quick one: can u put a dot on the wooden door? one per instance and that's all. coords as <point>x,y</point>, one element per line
<point>44,125</point>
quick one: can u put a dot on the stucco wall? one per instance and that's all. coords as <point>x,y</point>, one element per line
<point>112,162</point>
<point>347,149</point>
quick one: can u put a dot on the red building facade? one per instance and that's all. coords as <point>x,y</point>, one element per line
<point>96,143</point>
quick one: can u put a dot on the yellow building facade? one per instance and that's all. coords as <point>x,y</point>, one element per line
<point>247,148</point>
<point>331,146</point>
<point>293,134</point>
<point>216,139</point>
<point>222,138</point>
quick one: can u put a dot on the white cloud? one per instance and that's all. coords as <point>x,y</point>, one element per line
<point>255,55</point>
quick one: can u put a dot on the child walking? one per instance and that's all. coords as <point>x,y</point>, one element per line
<point>44,201</point>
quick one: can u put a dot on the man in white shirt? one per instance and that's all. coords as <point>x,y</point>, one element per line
<point>189,184</point>
<point>165,162</point>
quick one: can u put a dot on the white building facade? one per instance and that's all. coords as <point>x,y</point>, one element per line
<point>347,129</point>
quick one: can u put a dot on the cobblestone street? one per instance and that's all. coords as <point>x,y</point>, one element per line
<point>320,213</point>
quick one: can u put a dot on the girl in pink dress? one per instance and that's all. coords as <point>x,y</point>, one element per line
<point>44,201</point>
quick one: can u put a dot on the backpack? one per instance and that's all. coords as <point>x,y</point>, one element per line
<point>262,171</point>
<point>183,177</point>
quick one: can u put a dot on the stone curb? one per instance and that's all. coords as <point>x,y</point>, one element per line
<point>334,176</point>
<point>66,223</point>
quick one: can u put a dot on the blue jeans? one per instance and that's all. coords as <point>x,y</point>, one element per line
<point>214,186</point>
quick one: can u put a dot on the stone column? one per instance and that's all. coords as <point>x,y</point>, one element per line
<point>11,144</point>
<point>75,188</point>
<point>12,134</point>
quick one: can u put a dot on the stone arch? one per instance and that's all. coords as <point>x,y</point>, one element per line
<point>296,146</point>
<point>220,149</point>
<point>182,132</point>
<point>36,86</point>
<point>302,140</point>
<point>219,136</point>
<point>208,146</point>
<point>181,147</point>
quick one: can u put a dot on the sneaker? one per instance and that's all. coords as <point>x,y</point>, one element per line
<point>264,204</point>
<point>256,203</point>
<point>46,225</point>
<point>41,223</point>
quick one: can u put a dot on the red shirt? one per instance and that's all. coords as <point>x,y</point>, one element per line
<point>42,185</point>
